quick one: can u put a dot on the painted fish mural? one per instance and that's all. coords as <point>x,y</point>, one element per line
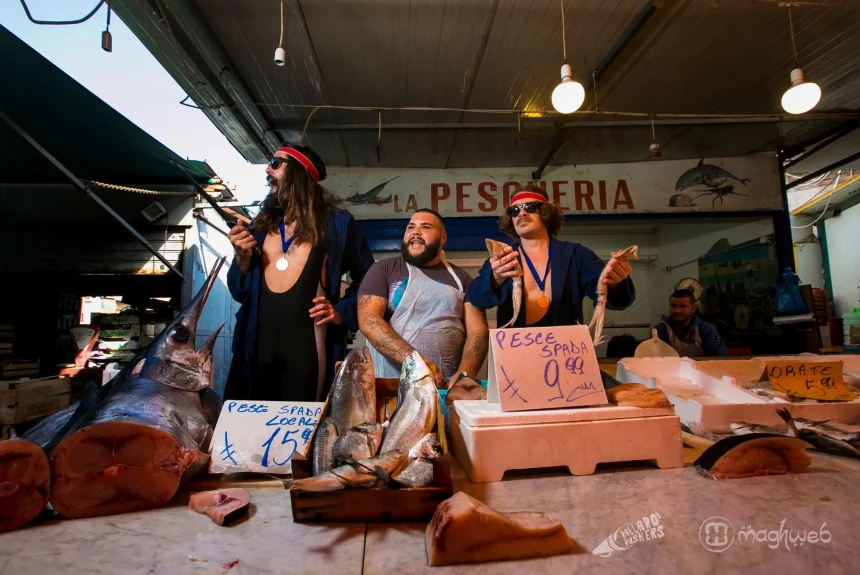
<point>372,197</point>
<point>709,180</point>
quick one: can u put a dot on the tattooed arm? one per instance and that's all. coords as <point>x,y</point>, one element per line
<point>477,340</point>
<point>371,320</point>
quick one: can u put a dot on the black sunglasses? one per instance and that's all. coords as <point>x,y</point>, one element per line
<point>276,162</point>
<point>529,207</point>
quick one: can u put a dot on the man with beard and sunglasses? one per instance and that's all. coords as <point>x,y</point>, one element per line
<point>286,273</point>
<point>556,274</point>
<point>417,301</point>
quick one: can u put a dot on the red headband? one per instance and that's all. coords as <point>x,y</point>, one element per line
<point>309,166</point>
<point>527,195</point>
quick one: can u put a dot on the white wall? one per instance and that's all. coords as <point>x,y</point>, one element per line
<point>843,240</point>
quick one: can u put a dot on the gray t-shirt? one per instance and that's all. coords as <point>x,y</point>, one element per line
<point>388,279</point>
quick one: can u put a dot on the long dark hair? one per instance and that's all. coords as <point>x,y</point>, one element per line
<point>299,199</point>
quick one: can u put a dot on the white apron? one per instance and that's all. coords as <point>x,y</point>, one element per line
<point>683,348</point>
<point>430,319</point>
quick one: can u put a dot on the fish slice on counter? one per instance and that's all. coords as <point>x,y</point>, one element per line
<point>813,432</point>
<point>359,474</point>
<point>133,448</point>
<point>497,250</point>
<point>596,322</point>
<point>754,454</point>
<point>637,395</point>
<point>465,530</point>
<point>223,506</point>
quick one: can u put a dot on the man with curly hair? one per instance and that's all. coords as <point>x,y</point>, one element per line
<point>556,274</point>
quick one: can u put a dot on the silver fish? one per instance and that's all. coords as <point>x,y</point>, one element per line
<point>353,393</point>
<point>321,457</point>
<point>824,428</point>
<point>820,441</point>
<point>364,473</point>
<point>360,442</point>
<point>497,250</point>
<point>427,448</point>
<point>418,473</point>
<point>775,395</point>
<point>743,428</point>
<point>416,415</point>
<point>597,317</point>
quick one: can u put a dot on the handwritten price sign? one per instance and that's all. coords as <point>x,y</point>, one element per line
<point>812,380</point>
<point>261,436</point>
<point>544,368</point>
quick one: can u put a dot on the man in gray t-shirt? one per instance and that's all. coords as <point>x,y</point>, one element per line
<point>417,301</point>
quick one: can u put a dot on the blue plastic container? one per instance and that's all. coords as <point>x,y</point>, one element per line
<point>443,393</point>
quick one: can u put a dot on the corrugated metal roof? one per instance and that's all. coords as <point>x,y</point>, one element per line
<point>686,56</point>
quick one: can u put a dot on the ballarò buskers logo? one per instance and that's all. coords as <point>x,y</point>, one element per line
<point>646,529</point>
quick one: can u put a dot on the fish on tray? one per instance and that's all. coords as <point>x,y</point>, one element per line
<point>415,416</point>
<point>360,442</point>
<point>465,530</point>
<point>814,433</point>
<point>637,395</point>
<point>597,318</point>
<point>323,446</point>
<point>497,250</point>
<point>419,471</point>
<point>353,403</point>
<point>223,506</point>
<point>754,454</point>
<point>131,451</point>
<point>362,474</point>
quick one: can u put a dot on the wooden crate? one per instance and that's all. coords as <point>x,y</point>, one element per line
<point>26,391</point>
<point>15,368</point>
<point>24,412</point>
<point>375,504</point>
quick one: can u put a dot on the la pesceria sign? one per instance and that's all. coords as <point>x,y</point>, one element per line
<point>744,183</point>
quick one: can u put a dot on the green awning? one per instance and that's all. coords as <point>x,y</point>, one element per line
<point>87,136</point>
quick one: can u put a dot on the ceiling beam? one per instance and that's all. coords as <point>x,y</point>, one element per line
<point>813,149</point>
<point>822,171</point>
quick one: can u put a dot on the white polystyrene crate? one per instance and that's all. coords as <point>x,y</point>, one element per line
<point>710,394</point>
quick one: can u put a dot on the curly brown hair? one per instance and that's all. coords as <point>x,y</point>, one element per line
<point>299,199</point>
<point>550,214</point>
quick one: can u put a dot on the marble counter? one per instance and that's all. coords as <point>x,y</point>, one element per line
<point>177,540</point>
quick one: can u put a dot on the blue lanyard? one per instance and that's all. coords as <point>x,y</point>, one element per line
<point>540,282</point>
<point>285,244</point>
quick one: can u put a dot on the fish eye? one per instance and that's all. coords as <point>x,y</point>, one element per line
<point>181,334</point>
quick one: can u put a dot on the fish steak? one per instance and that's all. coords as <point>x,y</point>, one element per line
<point>754,454</point>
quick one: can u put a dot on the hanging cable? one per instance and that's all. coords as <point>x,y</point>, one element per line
<point>563,33</point>
<point>107,40</point>
<point>827,205</point>
<point>308,121</point>
<point>594,85</point>
<point>61,22</point>
<point>379,140</point>
<point>791,30</point>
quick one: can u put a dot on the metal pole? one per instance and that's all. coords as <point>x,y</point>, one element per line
<point>77,182</point>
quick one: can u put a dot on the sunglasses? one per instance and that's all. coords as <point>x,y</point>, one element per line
<point>529,207</point>
<point>277,162</point>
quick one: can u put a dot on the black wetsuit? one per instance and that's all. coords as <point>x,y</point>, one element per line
<point>287,366</point>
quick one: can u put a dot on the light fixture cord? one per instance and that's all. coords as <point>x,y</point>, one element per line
<point>107,27</point>
<point>281,41</point>
<point>653,131</point>
<point>791,30</point>
<point>594,85</point>
<point>563,32</point>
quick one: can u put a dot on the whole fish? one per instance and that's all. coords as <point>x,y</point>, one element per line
<point>416,415</point>
<point>353,393</point>
<point>132,450</point>
<point>360,442</point>
<point>419,471</point>
<point>321,458</point>
<point>775,395</point>
<point>497,250</point>
<point>820,441</point>
<point>705,175</point>
<point>743,428</point>
<point>428,447</point>
<point>365,473</point>
<point>824,428</point>
<point>597,318</point>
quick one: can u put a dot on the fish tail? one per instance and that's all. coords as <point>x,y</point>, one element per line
<point>786,417</point>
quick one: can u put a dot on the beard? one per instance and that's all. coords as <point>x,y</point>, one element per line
<point>430,252</point>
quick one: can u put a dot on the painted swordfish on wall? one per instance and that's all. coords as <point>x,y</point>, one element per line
<point>704,179</point>
<point>372,196</point>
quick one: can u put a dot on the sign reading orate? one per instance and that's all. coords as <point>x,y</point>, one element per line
<point>813,380</point>
<point>544,368</point>
<point>261,436</point>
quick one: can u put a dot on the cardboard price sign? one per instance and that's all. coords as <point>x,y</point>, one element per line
<point>544,368</point>
<point>812,380</point>
<point>261,436</point>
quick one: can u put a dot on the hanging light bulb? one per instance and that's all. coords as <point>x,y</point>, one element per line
<point>654,148</point>
<point>802,96</point>
<point>280,54</point>
<point>107,41</point>
<point>569,95</point>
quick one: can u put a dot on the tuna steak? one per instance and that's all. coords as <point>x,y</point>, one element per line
<point>223,506</point>
<point>131,451</point>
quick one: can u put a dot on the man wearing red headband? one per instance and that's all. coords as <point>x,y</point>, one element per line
<point>292,324</point>
<point>556,274</point>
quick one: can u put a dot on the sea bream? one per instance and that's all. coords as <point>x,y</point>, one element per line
<point>131,451</point>
<point>353,402</point>
<point>822,442</point>
<point>497,250</point>
<point>596,323</point>
<point>415,415</point>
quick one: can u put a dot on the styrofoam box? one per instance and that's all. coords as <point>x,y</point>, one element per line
<point>711,394</point>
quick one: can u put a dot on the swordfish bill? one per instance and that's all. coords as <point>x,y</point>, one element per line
<point>179,365</point>
<point>134,448</point>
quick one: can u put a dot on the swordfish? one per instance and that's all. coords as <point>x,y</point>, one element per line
<point>152,430</point>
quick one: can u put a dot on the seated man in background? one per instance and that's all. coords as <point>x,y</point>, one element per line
<point>689,335</point>
<point>417,301</point>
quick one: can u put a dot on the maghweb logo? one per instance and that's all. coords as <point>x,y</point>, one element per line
<point>717,534</point>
